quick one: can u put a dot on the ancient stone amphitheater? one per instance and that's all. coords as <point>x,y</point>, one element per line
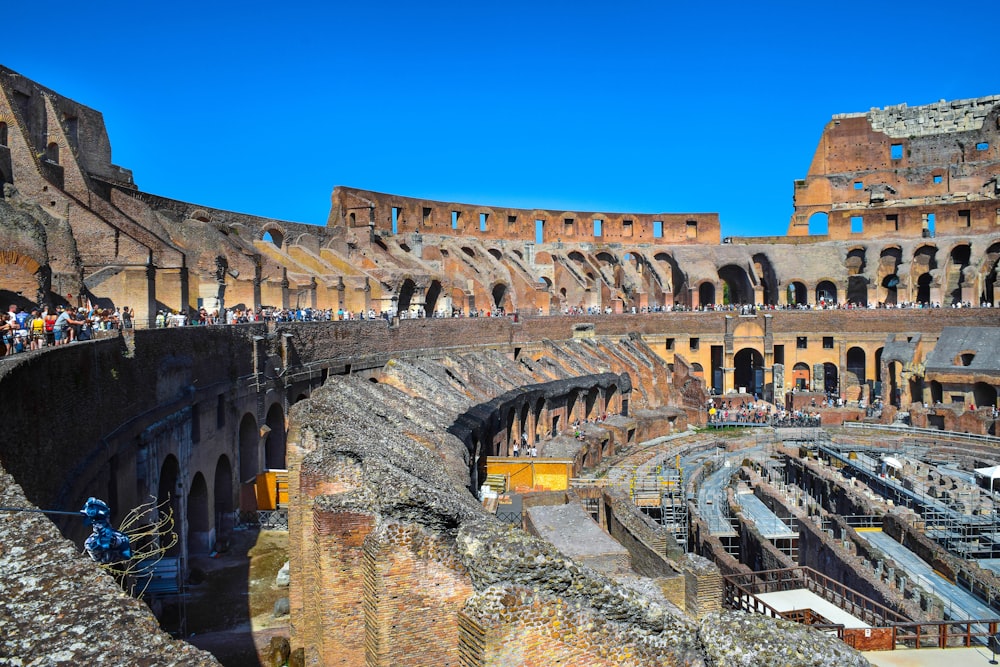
<point>624,323</point>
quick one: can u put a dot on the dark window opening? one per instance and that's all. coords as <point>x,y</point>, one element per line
<point>694,344</point>
<point>965,218</point>
<point>827,342</point>
<point>802,342</point>
<point>220,411</point>
<point>511,219</point>
<point>427,216</point>
<point>3,134</point>
<point>892,221</point>
<point>670,343</point>
<point>779,354</point>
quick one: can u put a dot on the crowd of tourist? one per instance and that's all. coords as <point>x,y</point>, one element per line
<point>24,330</point>
<point>757,413</point>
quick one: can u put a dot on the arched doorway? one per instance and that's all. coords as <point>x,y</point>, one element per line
<point>168,497</point>
<point>960,256</point>
<point>890,284</point>
<point>984,395</point>
<point>223,500</point>
<point>706,294</point>
<point>737,283</point>
<point>499,294</point>
<point>831,378</point>
<point>826,291</point>
<point>797,294</point>
<point>856,363</point>
<point>857,290</point>
<point>274,446</point>
<point>431,299</point>
<point>405,296</point>
<point>801,376</point>
<point>748,373</point>
<point>924,288</point>
<point>199,535</point>
<point>249,449</point>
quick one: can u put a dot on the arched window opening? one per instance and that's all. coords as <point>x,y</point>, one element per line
<point>706,294</point>
<point>819,224</point>
<point>3,134</point>
<point>826,291</point>
<point>52,152</point>
<point>748,373</point>
<point>797,294</point>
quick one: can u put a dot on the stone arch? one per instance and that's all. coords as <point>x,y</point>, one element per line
<point>25,281</point>
<point>274,235</point>
<point>223,499</point>
<point>984,395</point>
<point>200,214</point>
<point>168,497</point>
<point>748,370</point>
<point>538,410</point>
<point>496,254</point>
<point>959,259</point>
<point>677,285</point>
<point>878,364</point>
<point>501,296</point>
<point>198,526</point>
<point>432,296</point>
<point>469,251</point>
<point>831,377</point>
<point>826,290</point>
<point>857,290</point>
<point>924,288</point>
<point>798,295</point>
<point>988,291</point>
<point>819,223</point>
<point>856,260</point>
<point>406,290</point>
<point>767,278</point>
<point>890,288</point>
<point>937,394</point>
<point>249,448</point>
<point>737,281</point>
<point>509,435</point>
<point>706,293</point>
<point>610,392</point>
<point>274,445</point>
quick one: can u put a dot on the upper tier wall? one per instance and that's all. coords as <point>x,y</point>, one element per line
<point>393,214</point>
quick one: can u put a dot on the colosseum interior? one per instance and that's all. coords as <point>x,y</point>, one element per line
<point>503,436</point>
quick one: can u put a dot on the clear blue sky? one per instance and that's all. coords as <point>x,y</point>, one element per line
<point>613,106</point>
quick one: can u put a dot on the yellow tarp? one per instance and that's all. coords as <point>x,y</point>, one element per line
<point>535,474</point>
